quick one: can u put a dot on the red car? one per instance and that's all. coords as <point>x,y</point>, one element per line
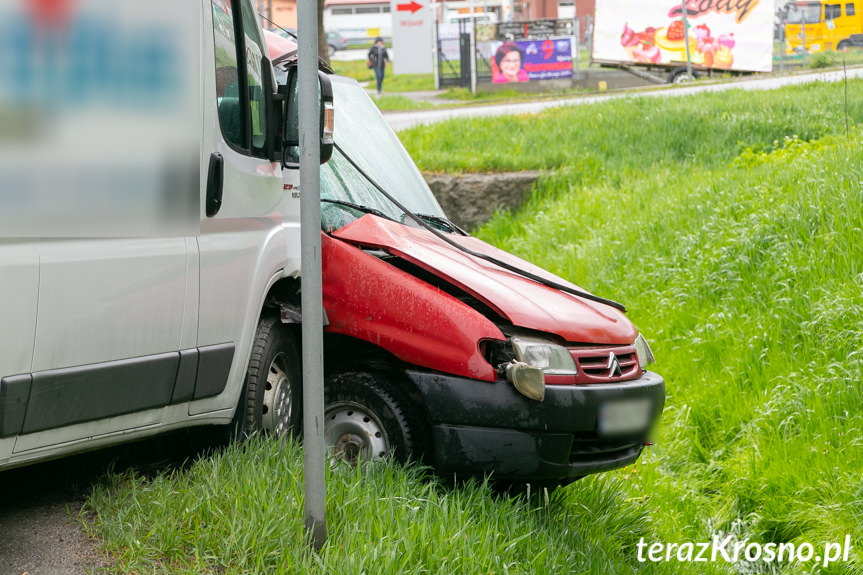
<point>441,347</point>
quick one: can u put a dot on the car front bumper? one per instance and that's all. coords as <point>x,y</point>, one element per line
<point>479,427</point>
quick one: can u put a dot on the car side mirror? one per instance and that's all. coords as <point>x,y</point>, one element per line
<point>291,148</point>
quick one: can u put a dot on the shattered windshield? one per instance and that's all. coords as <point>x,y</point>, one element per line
<point>363,134</point>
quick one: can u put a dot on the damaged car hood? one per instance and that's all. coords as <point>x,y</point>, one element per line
<point>522,301</point>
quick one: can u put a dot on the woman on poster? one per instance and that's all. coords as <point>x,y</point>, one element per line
<point>509,58</point>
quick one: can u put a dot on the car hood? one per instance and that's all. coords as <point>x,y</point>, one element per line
<point>522,301</point>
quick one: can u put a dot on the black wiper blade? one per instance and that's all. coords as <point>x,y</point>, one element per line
<point>359,208</point>
<point>444,222</point>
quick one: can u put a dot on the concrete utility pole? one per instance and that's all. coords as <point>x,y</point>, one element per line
<point>312,298</point>
<point>472,43</point>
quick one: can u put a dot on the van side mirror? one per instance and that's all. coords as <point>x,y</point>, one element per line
<point>291,148</point>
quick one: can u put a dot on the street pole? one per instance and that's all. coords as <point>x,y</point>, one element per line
<point>310,249</point>
<point>435,45</point>
<point>803,26</point>
<point>686,40</point>
<point>576,36</point>
<point>472,21</point>
<point>782,45</point>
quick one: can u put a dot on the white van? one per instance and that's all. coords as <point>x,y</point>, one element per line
<point>149,245</point>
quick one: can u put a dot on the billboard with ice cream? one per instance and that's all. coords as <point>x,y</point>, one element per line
<point>723,34</point>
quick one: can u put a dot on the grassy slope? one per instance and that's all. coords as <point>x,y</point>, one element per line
<point>738,252</point>
<point>738,248</point>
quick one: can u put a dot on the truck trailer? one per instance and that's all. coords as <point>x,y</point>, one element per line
<point>650,38</point>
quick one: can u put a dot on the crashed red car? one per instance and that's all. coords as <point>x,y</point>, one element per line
<point>441,347</point>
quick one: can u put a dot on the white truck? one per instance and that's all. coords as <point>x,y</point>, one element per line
<point>149,273</point>
<point>649,38</point>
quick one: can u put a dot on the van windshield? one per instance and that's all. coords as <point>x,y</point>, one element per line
<point>363,134</point>
<point>797,13</point>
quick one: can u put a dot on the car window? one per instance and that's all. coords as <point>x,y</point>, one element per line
<point>231,120</point>
<point>255,74</point>
<point>240,86</point>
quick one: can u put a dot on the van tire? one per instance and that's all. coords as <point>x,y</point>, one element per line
<point>843,46</point>
<point>366,417</point>
<point>272,400</point>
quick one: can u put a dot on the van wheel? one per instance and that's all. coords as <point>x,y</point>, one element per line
<point>367,418</point>
<point>843,46</point>
<point>272,402</point>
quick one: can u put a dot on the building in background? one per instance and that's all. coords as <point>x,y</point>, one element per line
<point>282,12</point>
<point>359,21</point>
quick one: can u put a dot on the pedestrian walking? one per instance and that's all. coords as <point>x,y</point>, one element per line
<point>378,59</point>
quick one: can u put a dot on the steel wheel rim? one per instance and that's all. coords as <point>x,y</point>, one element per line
<point>278,407</point>
<point>352,433</point>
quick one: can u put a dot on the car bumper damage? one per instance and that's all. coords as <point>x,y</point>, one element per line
<point>480,427</point>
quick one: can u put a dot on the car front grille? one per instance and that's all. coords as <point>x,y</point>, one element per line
<point>606,364</point>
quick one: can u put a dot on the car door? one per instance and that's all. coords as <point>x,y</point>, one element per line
<point>244,245</point>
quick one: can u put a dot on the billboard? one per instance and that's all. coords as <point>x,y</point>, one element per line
<point>724,34</point>
<point>527,60</point>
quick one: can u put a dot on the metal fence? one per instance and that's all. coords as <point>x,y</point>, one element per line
<point>463,46</point>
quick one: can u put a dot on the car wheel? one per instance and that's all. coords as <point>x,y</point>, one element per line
<point>366,417</point>
<point>272,400</point>
<point>331,50</point>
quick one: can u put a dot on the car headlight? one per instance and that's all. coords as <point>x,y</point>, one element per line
<point>642,350</point>
<point>553,359</point>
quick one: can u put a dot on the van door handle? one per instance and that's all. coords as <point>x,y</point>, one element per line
<point>215,183</point>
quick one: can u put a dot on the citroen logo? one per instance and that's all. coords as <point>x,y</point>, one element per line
<point>613,366</point>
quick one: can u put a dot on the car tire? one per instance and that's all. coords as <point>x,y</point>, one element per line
<point>367,417</point>
<point>331,50</point>
<point>271,403</point>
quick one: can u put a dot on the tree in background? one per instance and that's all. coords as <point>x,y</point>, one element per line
<point>323,51</point>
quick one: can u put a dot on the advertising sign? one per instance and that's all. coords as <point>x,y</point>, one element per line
<point>527,60</point>
<point>724,34</point>
<point>412,37</point>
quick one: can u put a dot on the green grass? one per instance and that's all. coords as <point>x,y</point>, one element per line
<point>241,511</point>
<point>618,139</point>
<point>748,279</point>
<point>731,225</point>
<point>357,70</point>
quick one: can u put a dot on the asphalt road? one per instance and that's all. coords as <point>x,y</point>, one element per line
<point>40,529</point>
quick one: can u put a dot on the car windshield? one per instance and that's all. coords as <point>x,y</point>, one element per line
<point>797,13</point>
<point>362,133</point>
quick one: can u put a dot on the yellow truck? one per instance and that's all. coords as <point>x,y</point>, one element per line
<point>823,25</point>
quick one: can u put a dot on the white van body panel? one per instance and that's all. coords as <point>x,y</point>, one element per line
<point>19,293</point>
<point>126,297</point>
<point>106,301</point>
